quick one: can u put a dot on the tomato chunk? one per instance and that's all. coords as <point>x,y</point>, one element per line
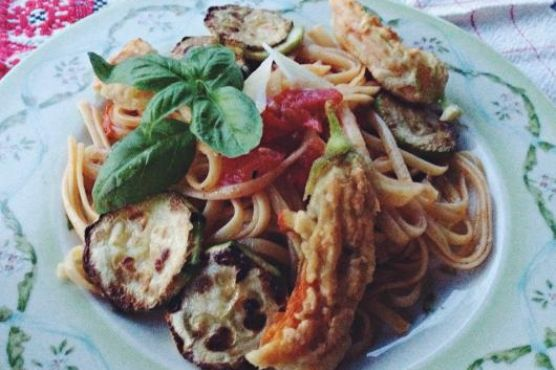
<point>294,110</point>
<point>249,166</point>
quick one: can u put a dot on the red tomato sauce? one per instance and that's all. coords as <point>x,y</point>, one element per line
<point>107,124</point>
<point>249,166</point>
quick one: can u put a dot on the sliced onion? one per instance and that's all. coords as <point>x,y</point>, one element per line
<point>252,186</point>
<point>255,85</point>
<point>295,73</point>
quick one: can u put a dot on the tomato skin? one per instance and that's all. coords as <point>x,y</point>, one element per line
<point>254,164</point>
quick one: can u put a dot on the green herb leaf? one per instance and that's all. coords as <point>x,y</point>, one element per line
<point>228,121</point>
<point>168,100</point>
<point>209,81</point>
<point>215,66</point>
<point>144,164</point>
<point>149,72</point>
<point>101,67</point>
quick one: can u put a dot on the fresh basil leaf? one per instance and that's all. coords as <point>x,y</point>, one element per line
<point>214,65</point>
<point>149,72</point>
<point>166,101</point>
<point>228,121</point>
<point>101,67</point>
<point>144,164</point>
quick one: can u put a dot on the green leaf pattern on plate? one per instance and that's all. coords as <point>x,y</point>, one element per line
<point>512,355</point>
<point>21,244</point>
<point>60,358</point>
<point>13,149</point>
<point>15,348</point>
<point>430,44</point>
<point>546,295</point>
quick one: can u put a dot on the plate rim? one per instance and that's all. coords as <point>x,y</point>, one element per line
<point>544,104</point>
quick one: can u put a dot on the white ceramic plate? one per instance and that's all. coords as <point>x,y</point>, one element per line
<point>499,317</point>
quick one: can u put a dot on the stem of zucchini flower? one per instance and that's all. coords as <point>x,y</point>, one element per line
<point>337,145</point>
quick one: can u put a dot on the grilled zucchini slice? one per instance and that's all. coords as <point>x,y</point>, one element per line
<point>219,316</point>
<point>189,42</point>
<point>289,45</point>
<point>186,43</point>
<point>417,129</point>
<point>240,25</point>
<point>135,255</point>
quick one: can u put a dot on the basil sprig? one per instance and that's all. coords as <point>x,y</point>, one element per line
<point>158,153</point>
<point>208,80</point>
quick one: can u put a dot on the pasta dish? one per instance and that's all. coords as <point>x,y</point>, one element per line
<point>282,193</point>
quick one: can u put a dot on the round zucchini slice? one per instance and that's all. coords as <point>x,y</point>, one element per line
<point>417,129</point>
<point>289,45</point>
<point>135,255</point>
<point>186,43</point>
<point>220,315</point>
<point>234,24</point>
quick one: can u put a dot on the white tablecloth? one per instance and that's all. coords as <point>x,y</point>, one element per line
<point>523,31</point>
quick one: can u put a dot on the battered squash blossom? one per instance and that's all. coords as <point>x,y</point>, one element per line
<point>412,74</point>
<point>338,260</point>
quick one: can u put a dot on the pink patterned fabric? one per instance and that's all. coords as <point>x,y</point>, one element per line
<point>25,24</point>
